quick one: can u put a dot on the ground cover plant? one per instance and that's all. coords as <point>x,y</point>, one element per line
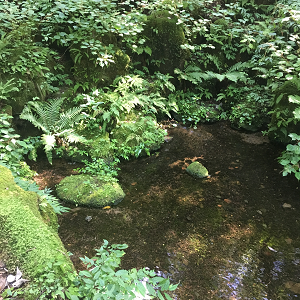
<point>96,77</point>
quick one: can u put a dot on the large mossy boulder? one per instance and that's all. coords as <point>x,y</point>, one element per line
<point>197,170</point>
<point>283,121</point>
<point>164,37</point>
<point>26,239</point>
<point>87,190</point>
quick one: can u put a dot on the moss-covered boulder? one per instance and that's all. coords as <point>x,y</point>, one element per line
<point>87,67</point>
<point>90,191</point>
<point>197,170</point>
<point>26,240</point>
<point>283,121</point>
<point>164,37</point>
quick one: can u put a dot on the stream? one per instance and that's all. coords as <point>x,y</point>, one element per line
<point>233,235</point>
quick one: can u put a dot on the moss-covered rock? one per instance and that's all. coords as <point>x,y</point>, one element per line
<point>26,240</point>
<point>197,170</point>
<point>164,37</point>
<point>283,121</point>
<point>87,68</point>
<point>90,191</point>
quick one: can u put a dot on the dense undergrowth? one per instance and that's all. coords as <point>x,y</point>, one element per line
<point>95,77</point>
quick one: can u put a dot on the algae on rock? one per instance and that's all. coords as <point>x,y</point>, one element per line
<point>197,170</point>
<point>26,240</point>
<point>87,190</point>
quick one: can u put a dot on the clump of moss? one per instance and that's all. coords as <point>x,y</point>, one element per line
<point>26,240</point>
<point>90,191</point>
<point>197,170</point>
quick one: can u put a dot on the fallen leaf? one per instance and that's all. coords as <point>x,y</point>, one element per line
<point>217,172</point>
<point>219,205</point>
<point>106,207</point>
<point>231,168</point>
<point>134,183</point>
<point>288,241</point>
<point>286,205</point>
<point>227,201</point>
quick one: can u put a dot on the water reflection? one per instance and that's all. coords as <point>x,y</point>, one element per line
<point>259,275</point>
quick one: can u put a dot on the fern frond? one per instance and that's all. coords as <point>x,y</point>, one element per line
<point>68,118</point>
<point>49,143</point>
<point>28,115</point>
<point>240,66</point>
<point>52,109</point>
<point>75,138</point>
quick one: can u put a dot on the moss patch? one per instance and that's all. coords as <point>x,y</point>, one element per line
<point>165,37</point>
<point>197,170</point>
<point>89,190</point>
<point>26,240</point>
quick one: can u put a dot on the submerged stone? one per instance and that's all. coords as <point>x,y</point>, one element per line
<point>90,191</point>
<point>197,170</point>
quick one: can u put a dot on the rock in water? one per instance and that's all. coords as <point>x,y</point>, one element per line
<point>86,190</point>
<point>197,170</point>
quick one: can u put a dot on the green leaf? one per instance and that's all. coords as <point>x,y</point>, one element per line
<point>122,273</point>
<point>296,113</point>
<point>294,99</point>
<point>168,297</point>
<point>85,273</point>
<point>141,288</point>
<point>160,295</point>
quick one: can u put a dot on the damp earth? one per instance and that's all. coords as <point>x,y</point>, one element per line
<point>232,235</point>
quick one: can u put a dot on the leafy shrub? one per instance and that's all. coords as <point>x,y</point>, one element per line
<point>12,150</point>
<point>103,169</point>
<point>138,136</point>
<point>193,111</point>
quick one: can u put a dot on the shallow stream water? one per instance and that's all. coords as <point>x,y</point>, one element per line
<point>228,236</point>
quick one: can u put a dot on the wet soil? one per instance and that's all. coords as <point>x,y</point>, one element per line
<point>223,237</point>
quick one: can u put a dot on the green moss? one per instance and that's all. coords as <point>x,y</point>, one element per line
<point>25,240</point>
<point>165,37</point>
<point>48,214</point>
<point>89,190</point>
<point>197,170</point>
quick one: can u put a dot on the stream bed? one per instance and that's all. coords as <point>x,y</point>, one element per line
<point>233,235</point>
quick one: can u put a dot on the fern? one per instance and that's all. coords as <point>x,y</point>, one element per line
<point>43,194</point>
<point>47,117</point>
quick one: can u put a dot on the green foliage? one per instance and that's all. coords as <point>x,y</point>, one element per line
<point>44,194</point>
<point>290,158</point>
<point>248,105</point>
<point>137,137</point>
<point>55,124</point>
<point>103,279</point>
<point>130,92</point>
<point>193,111</point>
<point>12,149</point>
<point>105,170</point>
